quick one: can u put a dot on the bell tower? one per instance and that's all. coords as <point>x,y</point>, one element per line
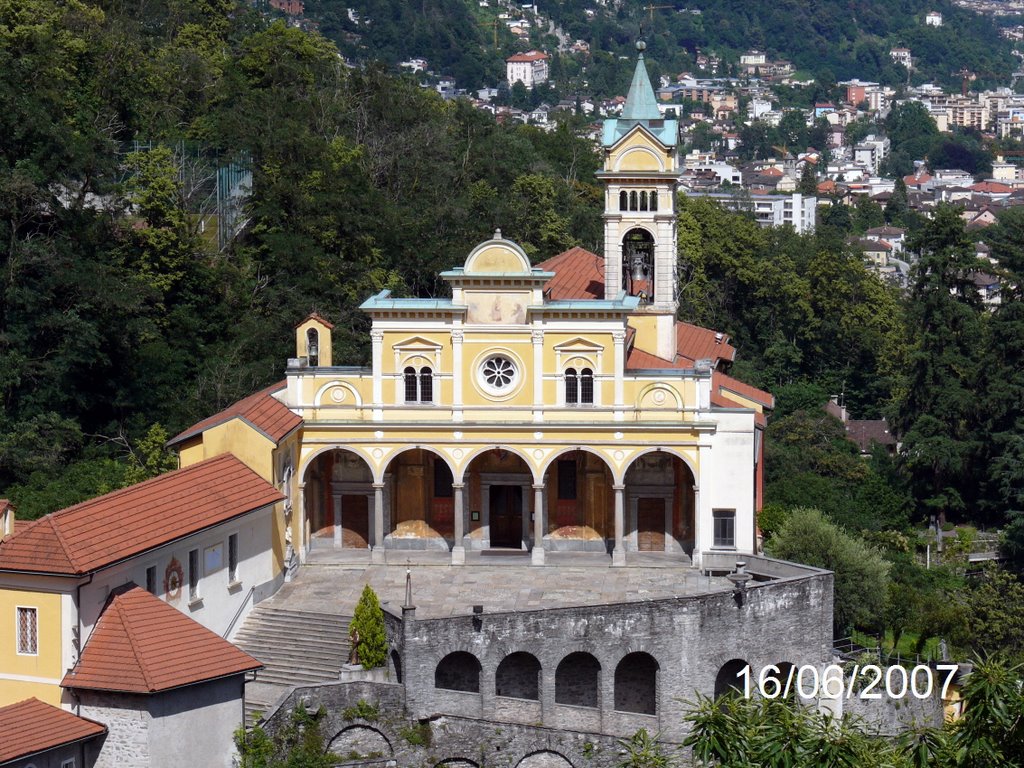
<point>640,175</point>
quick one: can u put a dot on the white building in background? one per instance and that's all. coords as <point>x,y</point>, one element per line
<point>530,68</point>
<point>933,19</point>
<point>902,56</point>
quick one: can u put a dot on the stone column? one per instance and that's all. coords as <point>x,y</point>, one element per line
<point>537,554</point>
<point>458,550</point>
<point>336,506</point>
<point>619,552</point>
<point>377,553</point>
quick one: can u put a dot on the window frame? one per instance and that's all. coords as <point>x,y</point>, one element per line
<point>17,630</point>
<point>194,577</point>
<point>418,385</point>
<point>586,380</point>
<point>723,516</point>
<point>572,387</point>
<point>233,560</point>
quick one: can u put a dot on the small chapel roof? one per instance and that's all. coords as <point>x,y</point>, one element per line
<point>119,525</point>
<point>31,726</point>
<point>143,645</point>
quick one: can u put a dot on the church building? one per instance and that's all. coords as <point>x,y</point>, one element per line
<point>553,407</point>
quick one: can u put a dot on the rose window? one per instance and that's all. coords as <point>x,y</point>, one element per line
<point>498,372</point>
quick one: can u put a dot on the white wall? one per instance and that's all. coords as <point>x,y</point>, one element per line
<point>218,600</point>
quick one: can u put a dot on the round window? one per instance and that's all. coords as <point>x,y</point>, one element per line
<point>498,374</point>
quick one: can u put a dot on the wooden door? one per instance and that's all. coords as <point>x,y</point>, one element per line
<point>355,522</point>
<point>650,525</point>
<point>506,510</point>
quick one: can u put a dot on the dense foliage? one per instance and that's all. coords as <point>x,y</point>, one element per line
<point>118,309</point>
<point>733,732</point>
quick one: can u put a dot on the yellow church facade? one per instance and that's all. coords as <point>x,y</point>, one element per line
<point>540,408</point>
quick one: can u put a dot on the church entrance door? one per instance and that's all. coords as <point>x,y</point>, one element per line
<point>355,522</point>
<point>650,525</point>
<point>506,512</point>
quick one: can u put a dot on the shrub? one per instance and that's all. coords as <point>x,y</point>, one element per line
<point>368,621</point>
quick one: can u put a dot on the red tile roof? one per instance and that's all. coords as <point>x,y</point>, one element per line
<point>864,432</point>
<point>31,726</point>
<point>579,274</point>
<point>528,56</point>
<point>638,360</point>
<point>143,645</point>
<point>725,384</point>
<point>318,317</point>
<point>695,343</point>
<point>262,411</point>
<point>125,523</point>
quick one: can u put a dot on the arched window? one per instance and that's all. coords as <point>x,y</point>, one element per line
<point>458,671</point>
<point>578,680</point>
<point>643,201</point>
<point>419,386</point>
<point>728,678</point>
<point>313,346</point>
<point>518,676</point>
<point>426,385</point>
<point>623,200</point>
<point>412,394</point>
<point>632,201</point>
<point>572,390</point>
<point>636,684</point>
<point>586,386</point>
<point>638,264</point>
<point>654,200</point>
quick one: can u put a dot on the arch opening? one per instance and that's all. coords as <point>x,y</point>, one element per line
<point>339,500</point>
<point>578,680</point>
<point>638,263</point>
<point>458,671</point>
<point>580,502</point>
<point>498,494</point>
<point>420,500</point>
<point>636,684</point>
<point>518,677</point>
<point>660,504</point>
<point>727,680</point>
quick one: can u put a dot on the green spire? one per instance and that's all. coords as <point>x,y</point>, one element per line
<point>641,103</point>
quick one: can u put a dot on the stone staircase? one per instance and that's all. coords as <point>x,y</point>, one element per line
<point>296,647</point>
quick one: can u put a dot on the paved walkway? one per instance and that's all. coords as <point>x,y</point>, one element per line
<point>332,581</point>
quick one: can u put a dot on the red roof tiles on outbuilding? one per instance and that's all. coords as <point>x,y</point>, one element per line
<point>125,523</point>
<point>143,645</point>
<point>261,410</point>
<point>32,726</point>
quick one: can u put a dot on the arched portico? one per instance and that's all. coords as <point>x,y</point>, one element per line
<point>498,485</point>
<point>420,506</point>
<point>659,504</point>
<point>579,502</point>
<point>338,494</point>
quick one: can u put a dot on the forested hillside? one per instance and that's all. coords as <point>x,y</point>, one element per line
<point>117,312</point>
<point>830,40</point>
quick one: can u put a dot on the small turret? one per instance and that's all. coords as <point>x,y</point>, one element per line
<point>313,341</point>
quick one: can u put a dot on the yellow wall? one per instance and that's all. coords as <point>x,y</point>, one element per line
<point>47,663</point>
<point>301,346</point>
<point>626,157</point>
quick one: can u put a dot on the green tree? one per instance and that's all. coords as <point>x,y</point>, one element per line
<point>861,574</point>
<point>808,180</point>
<point>368,621</point>
<point>937,414</point>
